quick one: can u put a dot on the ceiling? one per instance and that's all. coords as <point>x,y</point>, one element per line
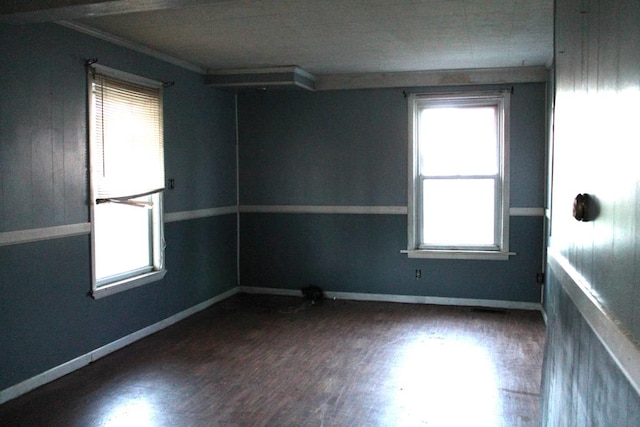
<point>323,37</point>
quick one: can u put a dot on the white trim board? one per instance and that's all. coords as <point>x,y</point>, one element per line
<point>526,211</point>
<point>61,231</point>
<point>200,213</point>
<point>321,209</point>
<point>620,345</point>
<point>407,299</point>
<point>83,360</point>
<point>358,210</point>
<point>545,318</point>
<point>103,35</point>
<point>45,233</point>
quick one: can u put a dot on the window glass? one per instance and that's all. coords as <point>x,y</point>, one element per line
<point>459,212</point>
<point>123,236</point>
<point>458,140</point>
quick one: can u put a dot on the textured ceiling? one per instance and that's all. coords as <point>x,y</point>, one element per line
<point>321,36</point>
<point>349,36</point>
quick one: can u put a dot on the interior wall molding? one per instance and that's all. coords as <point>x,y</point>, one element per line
<point>62,231</point>
<point>318,209</point>
<point>103,35</point>
<point>526,211</point>
<point>358,210</point>
<point>407,299</point>
<point>624,351</point>
<point>480,76</point>
<point>46,233</point>
<point>82,361</point>
<point>199,213</point>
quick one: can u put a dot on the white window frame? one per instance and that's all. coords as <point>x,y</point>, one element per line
<point>156,271</point>
<point>416,248</point>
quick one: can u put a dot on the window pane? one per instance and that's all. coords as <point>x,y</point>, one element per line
<point>458,212</point>
<point>122,238</point>
<point>458,141</point>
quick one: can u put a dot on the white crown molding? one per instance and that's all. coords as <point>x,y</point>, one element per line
<point>103,35</point>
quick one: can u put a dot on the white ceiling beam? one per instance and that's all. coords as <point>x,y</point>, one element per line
<point>33,11</point>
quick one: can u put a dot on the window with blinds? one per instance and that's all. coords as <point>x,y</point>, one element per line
<point>127,179</point>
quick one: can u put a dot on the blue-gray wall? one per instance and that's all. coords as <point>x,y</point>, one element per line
<point>46,315</point>
<point>595,151</point>
<point>345,148</point>
<point>350,148</point>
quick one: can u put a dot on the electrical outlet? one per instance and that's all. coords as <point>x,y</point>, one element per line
<point>418,273</point>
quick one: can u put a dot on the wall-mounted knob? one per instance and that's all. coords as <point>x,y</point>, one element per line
<point>581,207</point>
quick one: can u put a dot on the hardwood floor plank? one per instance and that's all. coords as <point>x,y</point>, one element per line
<point>257,360</point>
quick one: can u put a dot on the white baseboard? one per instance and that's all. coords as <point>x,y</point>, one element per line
<point>270,291</point>
<point>544,316</point>
<point>410,299</point>
<point>81,361</point>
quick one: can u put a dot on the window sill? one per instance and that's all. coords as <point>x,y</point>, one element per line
<point>460,254</point>
<point>126,284</point>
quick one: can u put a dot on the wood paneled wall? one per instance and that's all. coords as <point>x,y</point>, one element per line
<point>593,295</point>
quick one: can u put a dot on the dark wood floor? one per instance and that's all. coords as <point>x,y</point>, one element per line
<point>280,361</point>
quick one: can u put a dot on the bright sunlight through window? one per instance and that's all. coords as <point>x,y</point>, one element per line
<point>458,185</point>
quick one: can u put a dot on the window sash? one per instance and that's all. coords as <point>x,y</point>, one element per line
<point>124,241</point>
<point>464,209</point>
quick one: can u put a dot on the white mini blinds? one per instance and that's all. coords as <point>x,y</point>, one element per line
<point>128,129</point>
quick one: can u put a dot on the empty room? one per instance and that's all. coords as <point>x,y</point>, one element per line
<point>319,213</point>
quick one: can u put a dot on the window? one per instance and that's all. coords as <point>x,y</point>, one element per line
<point>127,179</point>
<point>458,183</point>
